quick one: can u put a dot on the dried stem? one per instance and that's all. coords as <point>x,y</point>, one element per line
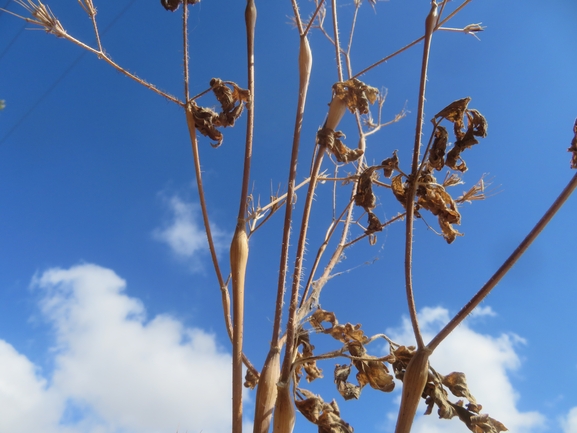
<point>185,50</point>
<point>337,43</point>
<point>506,266</point>
<point>305,66</point>
<point>292,319</point>
<point>410,204</point>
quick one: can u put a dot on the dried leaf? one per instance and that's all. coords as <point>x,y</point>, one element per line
<point>325,415</point>
<point>356,94</point>
<point>310,367</point>
<point>434,198</point>
<point>477,123</point>
<point>250,380</point>
<point>365,196</point>
<point>437,152</point>
<point>455,110</point>
<point>346,389</point>
<point>232,101</point>
<point>205,122</point>
<point>573,147</point>
<point>372,372</point>
<point>331,140</point>
<point>399,189</point>
<point>390,165</point>
<point>374,224</point>
<point>457,384</point>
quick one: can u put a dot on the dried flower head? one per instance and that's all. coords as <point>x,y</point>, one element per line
<point>43,17</point>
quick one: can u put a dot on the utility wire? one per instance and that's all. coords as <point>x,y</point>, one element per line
<point>62,76</point>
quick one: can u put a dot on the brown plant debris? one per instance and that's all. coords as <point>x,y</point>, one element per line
<point>399,189</point>
<point>232,103</point>
<point>356,94</point>
<point>437,152</point>
<point>455,112</point>
<point>326,416</point>
<point>374,224</point>
<point>346,389</point>
<point>573,147</point>
<point>434,198</point>
<point>310,367</point>
<point>436,393</point>
<point>172,5</point>
<point>250,379</point>
<point>390,165</point>
<point>331,140</point>
<point>365,196</point>
<point>370,369</point>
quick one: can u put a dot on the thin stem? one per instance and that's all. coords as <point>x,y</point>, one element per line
<point>112,63</point>
<point>292,322</point>
<point>185,48</point>
<point>297,16</point>
<point>337,43</point>
<point>507,265</point>
<point>306,32</point>
<point>410,204</point>
<point>305,65</point>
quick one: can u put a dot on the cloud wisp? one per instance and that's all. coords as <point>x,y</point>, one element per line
<point>184,233</point>
<point>115,371</point>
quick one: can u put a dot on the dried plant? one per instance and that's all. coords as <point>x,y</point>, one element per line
<point>415,186</point>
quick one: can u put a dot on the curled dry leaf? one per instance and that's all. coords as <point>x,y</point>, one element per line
<point>573,147</point>
<point>437,152</point>
<point>346,389</point>
<point>390,165</point>
<point>326,416</point>
<point>454,111</point>
<point>371,371</point>
<point>374,224</point>
<point>331,140</point>
<point>356,94</point>
<point>399,189</point>
<point>365,196</point>
<point>205,122</point>
<point>231,101</point>
<point>310,367</point>
<point>250,380</point>
<point>434,198</point>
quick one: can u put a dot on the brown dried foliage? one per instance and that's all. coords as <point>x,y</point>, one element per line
<point>232,102</point>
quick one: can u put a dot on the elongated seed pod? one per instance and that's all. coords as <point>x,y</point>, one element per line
<point>305,63</point>
<point>284,411</point>
<point>238,260</point>
<point>266,392</point>
<point>337,110</point>
<point>413,385</point>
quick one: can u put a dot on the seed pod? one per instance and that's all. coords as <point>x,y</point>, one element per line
<point>266,392</point>
<point>337,109</point>
<point>284,411</point>
<point>238,260</point>
<point>305,62</point>
<point>414,382</point>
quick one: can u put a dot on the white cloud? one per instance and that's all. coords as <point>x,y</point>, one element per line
<point>184,232</point>
<point>486,361</point>
<point>114,372</point>
<point>570,422</point>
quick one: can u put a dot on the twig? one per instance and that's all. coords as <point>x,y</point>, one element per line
<point>410,204</point>
<point>506,266</point>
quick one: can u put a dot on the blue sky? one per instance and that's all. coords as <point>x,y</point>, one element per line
<point>110,316</point>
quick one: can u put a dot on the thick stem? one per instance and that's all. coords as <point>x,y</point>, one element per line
<point>505,267</point>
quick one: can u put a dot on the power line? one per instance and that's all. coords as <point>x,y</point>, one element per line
<point>62,76</point>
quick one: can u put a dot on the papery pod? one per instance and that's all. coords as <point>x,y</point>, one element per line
<point>284,411</point>
<point>305,60</point>
<point>414,382</point>
<point>337,109</point>
<point>266,392</point>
